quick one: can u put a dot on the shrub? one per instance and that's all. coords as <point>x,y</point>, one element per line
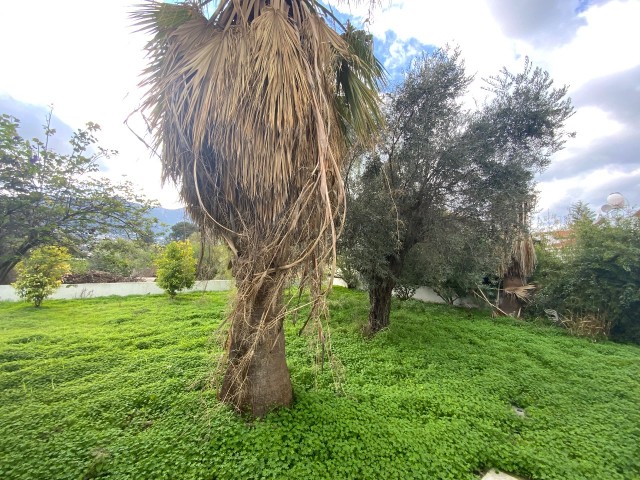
<point>176,267</point>
<point>595,275</point>
<point>348,273</point>
<point>404,291</point>
<point>121,257</point>
<point>41,273</point>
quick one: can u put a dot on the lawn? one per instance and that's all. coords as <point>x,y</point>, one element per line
<point>120,388</point>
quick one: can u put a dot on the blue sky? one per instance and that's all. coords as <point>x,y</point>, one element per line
<point>82,57</point>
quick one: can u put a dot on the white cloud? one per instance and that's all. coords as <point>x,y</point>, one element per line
<point>436,22</point>
<point>400,51</point>
<point>82,57</point>
<point>591,124</point>
<point>537,21</point>
<point>592,188</point>
<point>605,45</point>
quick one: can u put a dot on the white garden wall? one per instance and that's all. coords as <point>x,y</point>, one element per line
<point>122,289</point>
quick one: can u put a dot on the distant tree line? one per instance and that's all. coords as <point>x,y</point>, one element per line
<point>50,198</point>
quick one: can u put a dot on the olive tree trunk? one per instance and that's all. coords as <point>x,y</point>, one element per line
<point>257,378</point>
<point>5,270</point>
<point>380,293</point>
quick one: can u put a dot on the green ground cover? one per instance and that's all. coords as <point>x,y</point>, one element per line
<point>117,388</point>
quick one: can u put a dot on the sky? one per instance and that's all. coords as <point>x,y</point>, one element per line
<point>83,58</point>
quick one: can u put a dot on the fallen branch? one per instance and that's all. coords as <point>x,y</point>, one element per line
<point>484,297</point>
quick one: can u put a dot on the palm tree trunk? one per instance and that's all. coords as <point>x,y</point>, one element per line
<point>509,303</point>
<point>257,378</point>
<point>380,293</point>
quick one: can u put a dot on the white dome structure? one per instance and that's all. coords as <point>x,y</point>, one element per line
<point>615,200</point>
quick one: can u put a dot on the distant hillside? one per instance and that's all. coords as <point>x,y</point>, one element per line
<point>32,118</point>
<point>170,216</point>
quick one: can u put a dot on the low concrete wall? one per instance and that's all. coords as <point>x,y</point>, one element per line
<point>425,294</point>
<point>122,289</point>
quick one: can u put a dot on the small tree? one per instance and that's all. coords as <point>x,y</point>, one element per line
<point>122,257</point>
<point>181,231</point>
<point>176,267</point>
<point>41,273</point>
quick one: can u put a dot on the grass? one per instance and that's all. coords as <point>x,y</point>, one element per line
<point>118,388</point>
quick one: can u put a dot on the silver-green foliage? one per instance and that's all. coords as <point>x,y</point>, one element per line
<point>445,187</point>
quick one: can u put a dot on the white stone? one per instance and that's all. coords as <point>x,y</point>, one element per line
<point>519,411</point>
<point>494,475</point>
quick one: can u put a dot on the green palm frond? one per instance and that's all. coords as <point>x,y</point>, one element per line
<point>359,76</point>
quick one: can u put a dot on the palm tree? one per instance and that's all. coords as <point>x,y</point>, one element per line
<point>518,264</point>
<point>253,109</point>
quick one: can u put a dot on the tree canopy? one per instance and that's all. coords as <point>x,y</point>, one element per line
<point>181,231</point>
<point>49,197</point>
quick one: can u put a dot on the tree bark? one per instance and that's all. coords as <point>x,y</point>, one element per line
<point>5,269</point>
<point>13,258</point>
<point>257,378</point>
<point>380,293</point>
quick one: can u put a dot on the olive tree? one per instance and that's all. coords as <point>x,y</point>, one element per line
<point>444,188</point>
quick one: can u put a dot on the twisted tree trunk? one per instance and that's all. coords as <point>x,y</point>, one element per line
<point>380,293</point>
<point>10,260</point>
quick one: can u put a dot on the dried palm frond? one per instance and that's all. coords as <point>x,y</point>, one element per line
<point>254,117</point>
<point>521,260</point>
<point>522,292</point>
<point>253,110</point>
